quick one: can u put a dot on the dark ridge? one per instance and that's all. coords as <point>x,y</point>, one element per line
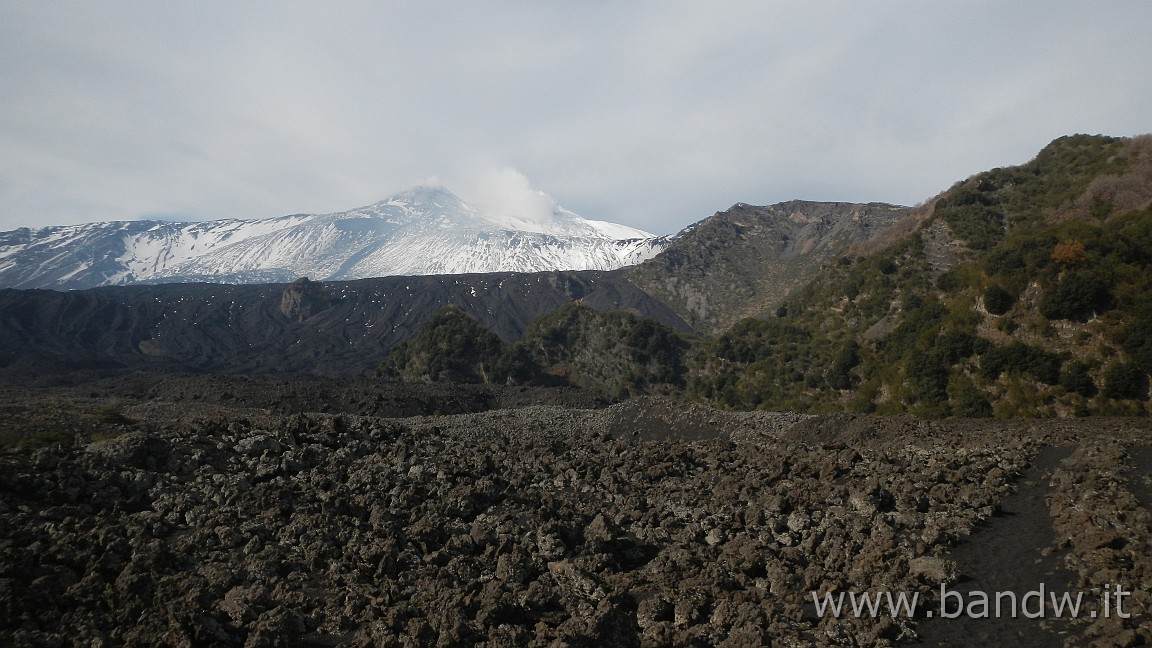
<point>337,329</point>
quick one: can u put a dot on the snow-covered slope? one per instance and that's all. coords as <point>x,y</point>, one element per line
<point>426,230</point>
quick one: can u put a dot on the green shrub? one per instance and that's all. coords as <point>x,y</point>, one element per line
<point>840,372</point>
<point>44,438</point>
<point>966,398</point>
<point>997,300</point>
<point>974,214</point>
<point>1136,339</point>
<point>452,347</point>
<point>516,365</point>
<point>1076,379</point>
<point>1125,381</point>
<point>1022,358</point>
<point>616,353</point>
<point>1078,295</point>
<point>954,346</point>
<point>112,414</point>
<point>1004,260</point>
<point>928,373</point>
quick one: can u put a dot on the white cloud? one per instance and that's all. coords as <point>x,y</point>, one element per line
<point>654,114</point>
<point>506,192</point>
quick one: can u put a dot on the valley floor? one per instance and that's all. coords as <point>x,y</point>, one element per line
<point>206,510</point>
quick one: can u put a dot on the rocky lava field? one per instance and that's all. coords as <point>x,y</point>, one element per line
<point>192,511</point>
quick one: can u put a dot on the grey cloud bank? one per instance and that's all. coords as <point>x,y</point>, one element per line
<point>652,114</point>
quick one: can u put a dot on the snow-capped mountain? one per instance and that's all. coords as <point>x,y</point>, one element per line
<point>422,231</point>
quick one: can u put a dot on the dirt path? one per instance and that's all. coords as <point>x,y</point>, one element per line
<point>1140,478</point>
<point>1007,555</point>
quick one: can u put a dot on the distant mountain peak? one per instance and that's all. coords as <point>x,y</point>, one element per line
<point>433,195</point>
<point>426,229</point>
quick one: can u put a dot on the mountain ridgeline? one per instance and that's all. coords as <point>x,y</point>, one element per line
<point>422,231</point>
<point>1021,291</point>
<point>1024,292</point>
<point>331,329</point>
<point>745,261</point>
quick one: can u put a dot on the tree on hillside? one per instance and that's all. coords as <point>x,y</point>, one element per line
<point>452,347</point>
<point>1124,380</point>
<point>1069,252</point>
<point>1076,379</point>
<point>1078,295</point>
<point>997,300</point>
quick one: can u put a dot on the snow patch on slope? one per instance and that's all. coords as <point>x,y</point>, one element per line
<point>424,230</point>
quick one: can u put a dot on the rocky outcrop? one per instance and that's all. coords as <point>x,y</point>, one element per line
<point>744,261</point>
<point>303,299</point>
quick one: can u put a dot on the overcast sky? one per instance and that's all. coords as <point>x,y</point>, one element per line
<point>653,114</point>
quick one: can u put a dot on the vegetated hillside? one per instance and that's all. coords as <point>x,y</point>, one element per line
<point>614,353</point>
<point>305,328</point>
<point>744,261</point>
<point>1026,292</point>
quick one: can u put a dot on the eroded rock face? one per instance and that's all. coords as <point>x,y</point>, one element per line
<point>743,262</point>
<point>303,299</point>
<point>537,526</point>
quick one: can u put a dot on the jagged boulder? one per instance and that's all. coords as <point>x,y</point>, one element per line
<point>302,299</point>
<point>133,449</point>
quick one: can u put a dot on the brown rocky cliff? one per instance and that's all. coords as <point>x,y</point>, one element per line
<point>744,261</point>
